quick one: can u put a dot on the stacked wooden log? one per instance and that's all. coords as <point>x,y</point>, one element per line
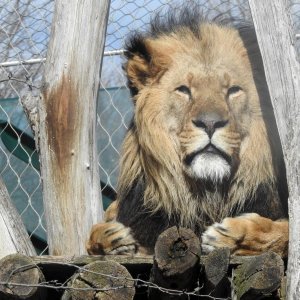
<point>176,264</point>
<point>177,271</point>
<point>21,278</point>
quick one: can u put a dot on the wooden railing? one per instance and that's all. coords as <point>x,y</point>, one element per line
<point>177,271</point>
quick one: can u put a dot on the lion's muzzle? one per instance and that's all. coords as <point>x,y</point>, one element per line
<point>210,122</point>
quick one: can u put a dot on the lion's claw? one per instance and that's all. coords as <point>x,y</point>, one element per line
<point>111,238</point>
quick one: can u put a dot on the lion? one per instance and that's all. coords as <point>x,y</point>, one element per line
<point>203,150</point>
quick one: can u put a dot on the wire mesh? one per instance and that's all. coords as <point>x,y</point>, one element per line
<point>24,34</point>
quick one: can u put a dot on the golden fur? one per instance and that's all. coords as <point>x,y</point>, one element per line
<point>178,80</point>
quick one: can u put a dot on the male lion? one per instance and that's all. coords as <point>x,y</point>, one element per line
<point>203,150</point>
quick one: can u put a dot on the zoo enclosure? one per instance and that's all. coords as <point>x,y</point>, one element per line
<point>25,30</point>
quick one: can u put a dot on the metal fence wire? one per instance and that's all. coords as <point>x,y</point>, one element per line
<point>24,35</point>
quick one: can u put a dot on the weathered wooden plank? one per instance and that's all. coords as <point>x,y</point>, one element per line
<point>87,259</point>
<point>122,259</point>
<point>67,122</point>
<point>276,39</point>
<point>13,235</point>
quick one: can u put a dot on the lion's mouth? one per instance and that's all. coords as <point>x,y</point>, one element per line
<point>209,149</point>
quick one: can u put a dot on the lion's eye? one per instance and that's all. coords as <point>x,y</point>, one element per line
<point>184,89</point>
<point>234,90</point>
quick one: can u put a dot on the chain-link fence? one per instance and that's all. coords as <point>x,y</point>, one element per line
<point>24,34</point>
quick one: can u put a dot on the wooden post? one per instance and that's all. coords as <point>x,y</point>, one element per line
<point>176,263</point>
<point>276,40</point>
<point>67,122</point>
<point>13,235</point>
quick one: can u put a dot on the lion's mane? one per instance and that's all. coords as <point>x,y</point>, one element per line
<point>154,192</point>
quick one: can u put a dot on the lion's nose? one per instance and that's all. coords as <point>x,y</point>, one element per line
<point>210,122</point>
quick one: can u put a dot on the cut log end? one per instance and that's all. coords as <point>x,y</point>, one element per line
<point>22,276</point>
<point>176,251</point>
<point>216,266</point>
<point>176,262</point>
<point>102,280</point>
<point>259,277</point>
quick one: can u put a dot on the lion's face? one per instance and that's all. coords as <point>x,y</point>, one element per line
<point>202,101</point>
<point>207,109</point>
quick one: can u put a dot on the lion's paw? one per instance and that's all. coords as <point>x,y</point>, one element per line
<point>111,238</point>
<point>248,234</point>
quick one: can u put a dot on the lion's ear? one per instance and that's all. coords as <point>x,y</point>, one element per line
<point>147,60</point>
